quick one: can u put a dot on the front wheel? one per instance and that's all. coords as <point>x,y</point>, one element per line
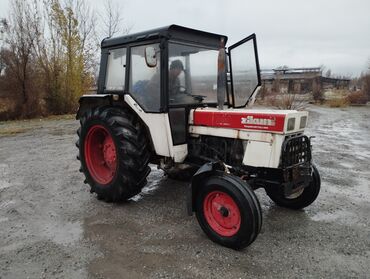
<point>300,199</point>
<point>228,211</point>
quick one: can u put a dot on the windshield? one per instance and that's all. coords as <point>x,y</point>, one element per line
<point>192,74</point>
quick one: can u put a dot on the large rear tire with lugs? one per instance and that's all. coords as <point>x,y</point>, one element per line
<point>114,154</point>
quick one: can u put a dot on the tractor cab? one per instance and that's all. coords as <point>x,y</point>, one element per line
<point>178,67</point>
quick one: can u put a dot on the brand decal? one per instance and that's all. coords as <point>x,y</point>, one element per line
<point>251,120</point>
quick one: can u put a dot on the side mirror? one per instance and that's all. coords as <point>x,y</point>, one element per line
<point>150,57</point>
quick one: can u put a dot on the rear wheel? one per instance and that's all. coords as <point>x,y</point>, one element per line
<point>113,150</point>
<point>300,199</point>
<point>228,211</point>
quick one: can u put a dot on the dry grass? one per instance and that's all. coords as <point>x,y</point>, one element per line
<point>337,102</point>
<point>9,131</point>
<point>357,98</point>
<point>12,127</point>
<point>285,101</point>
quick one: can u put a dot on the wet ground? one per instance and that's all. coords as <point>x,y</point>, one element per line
<point>52,227</point>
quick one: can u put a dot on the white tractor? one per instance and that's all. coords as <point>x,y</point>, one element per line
<point>178,98</point>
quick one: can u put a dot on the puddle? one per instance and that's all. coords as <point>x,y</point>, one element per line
<point>6,204</point>
<point>3,173</point>
<point>347,165</point>
<point>154,179</point>
<point>338,216</point>
<point>63,233</point>
<point>147,190</point>
<point>359,191</point>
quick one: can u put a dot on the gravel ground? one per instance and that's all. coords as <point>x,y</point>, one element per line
<point>52,227</point>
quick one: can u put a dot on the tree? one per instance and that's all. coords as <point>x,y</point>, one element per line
<point>18,57</point>
<point>112,20</point>
<point>66,52</point>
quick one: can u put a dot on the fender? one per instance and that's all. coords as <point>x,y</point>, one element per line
<point>90,101</point>
<point>207,170</point>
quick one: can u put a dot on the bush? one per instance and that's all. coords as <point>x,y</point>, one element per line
<point>366,86</point>
<point>317,92</point>
<point>337,102</point>
<point>357,98</point>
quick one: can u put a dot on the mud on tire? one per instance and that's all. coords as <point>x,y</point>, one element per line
<point>181,174</point>
<point>114,154</point>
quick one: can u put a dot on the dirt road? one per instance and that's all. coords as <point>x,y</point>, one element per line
<point>52,227</point>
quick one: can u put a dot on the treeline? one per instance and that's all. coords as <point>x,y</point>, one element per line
<point>49,55</point>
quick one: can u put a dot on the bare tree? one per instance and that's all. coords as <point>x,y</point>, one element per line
<point>3,29</point>
<point>112,20</point>
<point>19,56</point>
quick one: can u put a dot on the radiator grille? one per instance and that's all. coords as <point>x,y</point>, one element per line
<point>296,150</point>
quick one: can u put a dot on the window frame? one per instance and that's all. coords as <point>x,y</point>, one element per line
<point>241,42</point>
<point>161,43</point>
<point>107,54</point>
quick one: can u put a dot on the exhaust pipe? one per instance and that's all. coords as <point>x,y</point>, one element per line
<point>221,76</point>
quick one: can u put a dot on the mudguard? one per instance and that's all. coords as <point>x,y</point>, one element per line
<point>90,101</point>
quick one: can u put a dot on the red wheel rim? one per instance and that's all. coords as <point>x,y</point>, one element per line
<point>100,154</point>
<point>222,213</point>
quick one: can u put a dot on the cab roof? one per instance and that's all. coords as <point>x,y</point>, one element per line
<point>173,32</point>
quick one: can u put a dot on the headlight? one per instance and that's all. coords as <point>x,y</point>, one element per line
<point>291,124</point>
<point>303,122</point>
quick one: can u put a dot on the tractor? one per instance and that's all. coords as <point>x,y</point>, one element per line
<point>180,99</point>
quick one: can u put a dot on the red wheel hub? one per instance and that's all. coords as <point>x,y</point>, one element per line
<point>100,154</point>
<point>222,213</point>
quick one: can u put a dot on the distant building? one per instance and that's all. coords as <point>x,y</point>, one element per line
<point>299,80</point>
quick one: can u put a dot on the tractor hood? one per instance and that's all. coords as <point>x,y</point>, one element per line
<point>270,121</point>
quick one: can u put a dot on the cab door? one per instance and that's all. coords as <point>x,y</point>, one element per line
<point>244,71</point>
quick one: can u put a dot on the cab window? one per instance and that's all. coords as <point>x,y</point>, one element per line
<point>192,76</point>
<point>116,69</point>
<point>145,80</point>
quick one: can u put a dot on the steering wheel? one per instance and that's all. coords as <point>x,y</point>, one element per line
<point>182,90</point>
<point>199,98</point>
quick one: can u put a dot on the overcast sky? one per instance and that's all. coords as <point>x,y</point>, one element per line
<point>297,33</point>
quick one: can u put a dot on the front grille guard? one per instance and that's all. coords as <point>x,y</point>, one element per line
<point>296,150</point>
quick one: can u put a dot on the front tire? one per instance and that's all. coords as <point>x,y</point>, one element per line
<point>113,150</point>
<point>301,200</point>
<point>228,211</point>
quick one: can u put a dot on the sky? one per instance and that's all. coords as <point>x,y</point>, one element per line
<point>296,33</point>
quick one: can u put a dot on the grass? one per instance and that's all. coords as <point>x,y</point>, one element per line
<point>10,131</point>
<point>337,102</point>
<point>13,127</point>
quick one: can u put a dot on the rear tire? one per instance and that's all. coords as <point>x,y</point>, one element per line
<point>228,211</point>
<point>307,197</point>
<point>114,155</point>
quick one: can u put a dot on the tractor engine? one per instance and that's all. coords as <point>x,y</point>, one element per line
<point>205,148</point>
